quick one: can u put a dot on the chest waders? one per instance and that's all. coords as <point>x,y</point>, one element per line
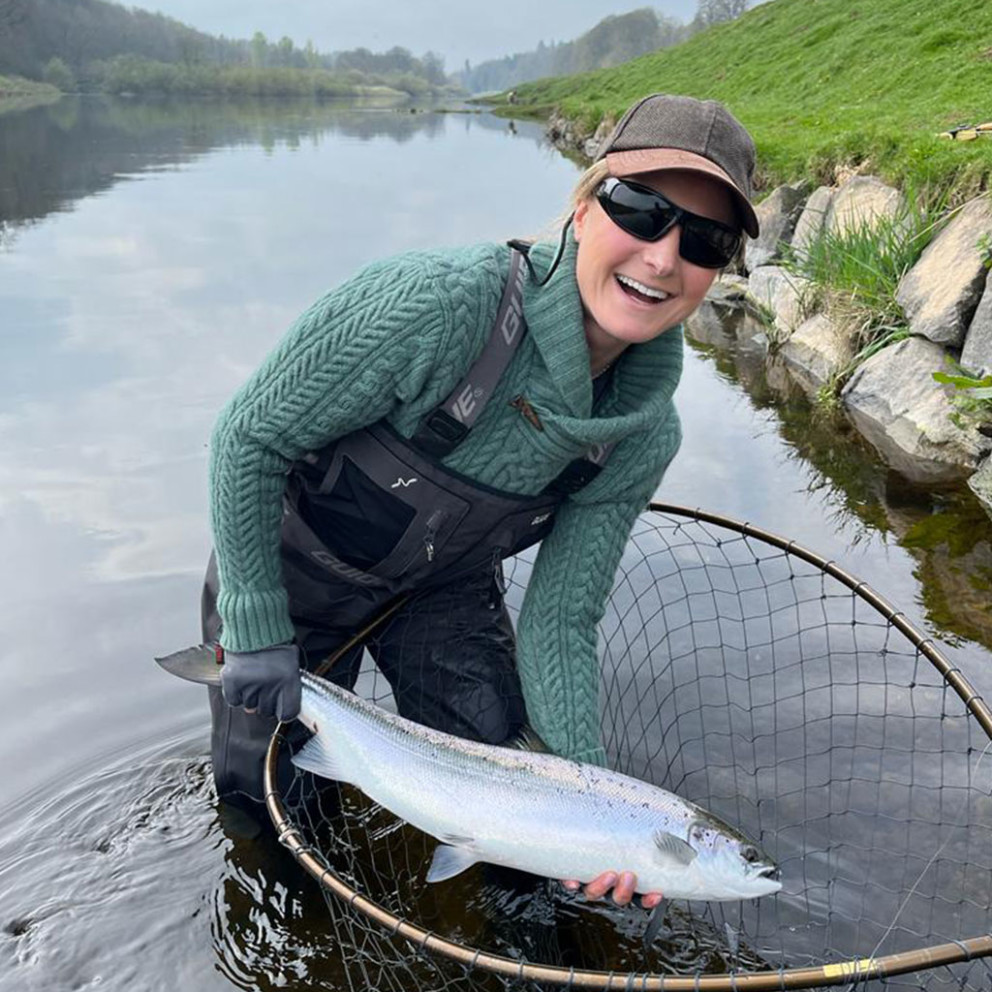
<point>373,516</point>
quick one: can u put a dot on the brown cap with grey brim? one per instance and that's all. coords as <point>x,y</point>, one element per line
<point>680,132</point>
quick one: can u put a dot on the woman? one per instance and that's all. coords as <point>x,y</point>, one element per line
<point>440,412</point>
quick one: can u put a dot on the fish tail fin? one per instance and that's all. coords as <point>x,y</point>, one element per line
<point>315,756</point>
<point>200,664</point>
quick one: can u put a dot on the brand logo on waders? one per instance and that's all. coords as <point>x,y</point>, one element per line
<point>403,482</point>
<point>345,571</point>
<point>539,519</point>
<point>513,319</point>
<point>466,402</point>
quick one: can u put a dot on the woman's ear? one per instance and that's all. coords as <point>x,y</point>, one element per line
<point>579,219</point>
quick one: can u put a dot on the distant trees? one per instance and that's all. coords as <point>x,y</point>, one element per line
<point>105,45</point>
<point>709,12</point>
<point>613,40</point>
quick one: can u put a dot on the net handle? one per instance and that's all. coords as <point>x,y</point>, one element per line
<point>839,973</point>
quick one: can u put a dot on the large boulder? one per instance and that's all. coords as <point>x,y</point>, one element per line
<point>863,201</point>
<point>783,295</point>
<point>812,219</point>
<point>898,407</point>
<point>941,292</point>
<point>818,350</point>
<point>777,215</point>
<point>976,356</point>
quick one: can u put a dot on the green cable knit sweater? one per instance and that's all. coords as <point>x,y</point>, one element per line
<point>391,343</point>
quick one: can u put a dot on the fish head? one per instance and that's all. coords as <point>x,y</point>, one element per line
<point>731,863</point>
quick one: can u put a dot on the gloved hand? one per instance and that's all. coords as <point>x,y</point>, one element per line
<point>267,681</point>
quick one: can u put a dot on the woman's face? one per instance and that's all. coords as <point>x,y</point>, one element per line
<point>616,314</point>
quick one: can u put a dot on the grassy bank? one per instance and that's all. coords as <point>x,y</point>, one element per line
<point>824,86</point>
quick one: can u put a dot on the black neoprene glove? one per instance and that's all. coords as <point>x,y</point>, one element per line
<point>267,681</point>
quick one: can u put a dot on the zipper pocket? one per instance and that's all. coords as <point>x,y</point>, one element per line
<point>426,547</point>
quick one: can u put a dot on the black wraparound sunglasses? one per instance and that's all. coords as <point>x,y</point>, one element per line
<point>648,215</point>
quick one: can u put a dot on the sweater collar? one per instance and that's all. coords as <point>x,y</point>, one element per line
<point>644,378</point>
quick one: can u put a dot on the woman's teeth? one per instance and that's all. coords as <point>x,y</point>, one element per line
<point>639,287</point>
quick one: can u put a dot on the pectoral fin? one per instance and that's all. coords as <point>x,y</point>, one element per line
<point>672,848</point>
<point>316,757</point>
<point>450,860</point>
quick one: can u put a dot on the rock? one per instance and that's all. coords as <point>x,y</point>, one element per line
<point>777,215</point>
<point>783,294</point>
<point>976,356</point>
<point>941,292</point>
<point>812,218</point>
<point>591,145</point>
<point>863,201</point>
<point>981,485</point>
<point>898,407</point>
<point>725,318</point>
<point>818,350</point>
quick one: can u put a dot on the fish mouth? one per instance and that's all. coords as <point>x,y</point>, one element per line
<point>771,872</point>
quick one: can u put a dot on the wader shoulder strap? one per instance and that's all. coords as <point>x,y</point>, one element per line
<point>444,429</point>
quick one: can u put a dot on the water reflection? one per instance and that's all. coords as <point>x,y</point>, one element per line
<point>54,155</point>
<point>946,532</point>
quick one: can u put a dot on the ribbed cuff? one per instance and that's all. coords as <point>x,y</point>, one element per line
<point>255,620</point>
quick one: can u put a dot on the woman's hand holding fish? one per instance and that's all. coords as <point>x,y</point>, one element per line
<point>622,883</point>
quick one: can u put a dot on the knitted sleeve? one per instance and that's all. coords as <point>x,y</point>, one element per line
<point>346,363</point>
<point>557,652</point>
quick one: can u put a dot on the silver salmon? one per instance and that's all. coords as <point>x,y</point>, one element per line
<point>536,812</point>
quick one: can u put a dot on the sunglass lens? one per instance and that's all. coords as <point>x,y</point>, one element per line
<point>638,213</point>
<point>708,244</point>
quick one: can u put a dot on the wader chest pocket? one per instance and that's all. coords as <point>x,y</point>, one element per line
<point>378,513</point>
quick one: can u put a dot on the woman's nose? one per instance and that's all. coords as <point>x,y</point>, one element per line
<point>663,255</point>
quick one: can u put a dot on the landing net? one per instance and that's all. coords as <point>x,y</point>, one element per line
<point>763,682</point>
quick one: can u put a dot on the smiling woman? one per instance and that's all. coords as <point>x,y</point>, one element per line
<point>444,410</point>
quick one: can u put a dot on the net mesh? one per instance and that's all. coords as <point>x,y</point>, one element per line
<point>757,684</point>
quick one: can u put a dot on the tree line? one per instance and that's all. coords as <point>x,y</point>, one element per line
<point>615,39</point>
<point>98,45</point>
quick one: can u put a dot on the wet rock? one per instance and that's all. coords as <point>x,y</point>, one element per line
<point>941,292</point>
<point>976,356</point>
<point>862,201</point>
<point>906,416</point>
<point>725,317</point>
<point>812,219</point>
<point>777,215</point>
<point>818,350</point>
<point>783,294</point>
<point>981,485</point>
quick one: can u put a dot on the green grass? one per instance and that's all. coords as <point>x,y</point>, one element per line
<point>824,86</point>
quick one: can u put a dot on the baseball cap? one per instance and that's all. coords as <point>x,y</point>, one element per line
<point>663,131</point>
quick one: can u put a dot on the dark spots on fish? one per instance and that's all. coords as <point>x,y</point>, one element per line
<point>316,727</point>
<point>19,927</point>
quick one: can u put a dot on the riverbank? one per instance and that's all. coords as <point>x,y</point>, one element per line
<point>17,93</point>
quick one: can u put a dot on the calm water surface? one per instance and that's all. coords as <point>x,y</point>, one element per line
<point>149,258</point>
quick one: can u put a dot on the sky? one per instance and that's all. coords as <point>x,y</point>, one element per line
<point>458,29</point>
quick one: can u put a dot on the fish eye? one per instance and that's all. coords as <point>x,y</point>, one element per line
<point>750,854</point>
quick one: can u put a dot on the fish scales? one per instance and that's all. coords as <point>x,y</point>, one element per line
<point>527,810</point>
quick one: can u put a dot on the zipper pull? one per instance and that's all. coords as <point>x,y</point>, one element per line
<point>433,522</point>
<point>497,587</point>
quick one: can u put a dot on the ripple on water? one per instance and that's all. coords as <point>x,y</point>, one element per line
<point>104,881</point>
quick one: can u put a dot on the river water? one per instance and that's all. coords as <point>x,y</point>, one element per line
<point>150,255</point>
